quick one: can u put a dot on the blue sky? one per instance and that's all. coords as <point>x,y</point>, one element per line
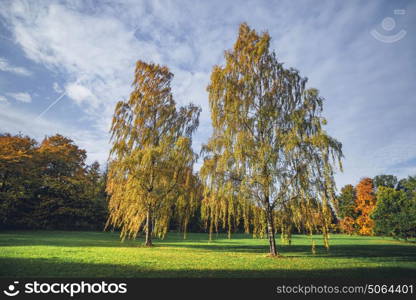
<point>64,64</point>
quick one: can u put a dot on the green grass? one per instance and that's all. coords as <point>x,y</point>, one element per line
<point>99,254</point>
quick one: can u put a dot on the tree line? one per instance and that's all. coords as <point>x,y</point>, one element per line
<point>383,205</point>
<point>48,185</point>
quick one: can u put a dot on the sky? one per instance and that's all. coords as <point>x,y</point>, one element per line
<point>64,65</point>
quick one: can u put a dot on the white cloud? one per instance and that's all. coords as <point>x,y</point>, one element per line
<point>3,100</point>
<point>79,93</point>
<point>6,67</point>
<point>22,97</point>
<point>96,53</point>
<point>57,88</point>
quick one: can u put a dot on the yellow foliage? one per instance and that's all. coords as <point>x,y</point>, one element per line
<point>150,165</point>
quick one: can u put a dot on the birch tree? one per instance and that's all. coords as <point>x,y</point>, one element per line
<point>151,158</point>
<point>268,145</point>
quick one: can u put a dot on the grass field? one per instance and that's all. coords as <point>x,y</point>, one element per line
<point>98,254</point>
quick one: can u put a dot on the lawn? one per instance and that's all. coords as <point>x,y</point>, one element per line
<point>101,254</point>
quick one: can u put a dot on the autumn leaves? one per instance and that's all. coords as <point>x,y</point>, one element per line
<point>267,152</point>
<point>151,160</point>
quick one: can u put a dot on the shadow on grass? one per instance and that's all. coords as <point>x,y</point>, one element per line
<point>85,239</point>
<point>64,239</point>
<point>41,267</point>
<point>398,251</point>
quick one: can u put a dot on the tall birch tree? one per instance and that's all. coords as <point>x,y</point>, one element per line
<point>268,145</point>
<point>151,159</point>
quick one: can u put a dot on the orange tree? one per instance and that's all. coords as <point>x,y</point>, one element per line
<point>365,204</point>
<point>19,178</point>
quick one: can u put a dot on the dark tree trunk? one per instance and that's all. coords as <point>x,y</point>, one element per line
<point>271,232</point>
<point>148,242</point>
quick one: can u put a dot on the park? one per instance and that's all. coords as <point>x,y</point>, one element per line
<point>256,195</point>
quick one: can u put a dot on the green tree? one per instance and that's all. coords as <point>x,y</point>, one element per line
<point>62,204</point>
<point>395,213</point>
<point>408,185</point>
<point>94,193</point>
<point>385,180</point>
<point>346,202</point>
<point>268,144</point>
<point>151,158</point>
<point>347,209</point>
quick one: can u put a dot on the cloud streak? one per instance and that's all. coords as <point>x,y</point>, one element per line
<point>50,106</point>
<point>6,67</point>
<point>21,97</point>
